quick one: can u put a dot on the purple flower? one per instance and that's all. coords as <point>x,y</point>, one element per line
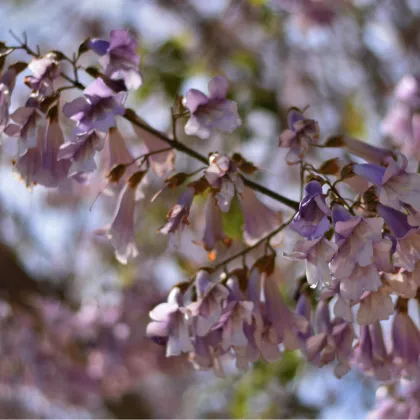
<point>7,84</point>
<point>407,250</point>
<point>121,231</point>
<point>333,340</point>
<point>402,123</point>
<point>119,57</point>
<point>286,324</point>
<point>223,176</point>
<point>302,132</point>
<point>214,112</point>
<point>116,153</point>
<point>259,220</point>
<point>207,353</point>
<point>311,220</point>
<point>206,311</point>
<point>355,237</point>
<point>236,313</point>
<point>45,70</point>
<point>370,355</point>
<point>406,344</point>
<point>81,151</point>
<point>162,163</point>
<point>97,108</point>
<point>28,119</point>
<point>366,151</point>
<point>261,334</point>
<point>317,253</point>
<point>396,186</point>
<point>170,325</point>
<point>213,231</point>
<point>177,217</point>
<point>375,306</point>
<point>39,165</point>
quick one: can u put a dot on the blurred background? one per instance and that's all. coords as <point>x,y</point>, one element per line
<point>72,319</point>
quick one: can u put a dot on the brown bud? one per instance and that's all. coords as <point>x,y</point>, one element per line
<point>136,178</point>
<point>330,167</point>
<point>266,263</point>
<point>242,275</point>
<point>335,141</point>
<point>176,180</point>
<point>200,185</point>
<point>116,173</point>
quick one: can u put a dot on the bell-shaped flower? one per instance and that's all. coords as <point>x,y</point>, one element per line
<point>375,306</point>
<point>317,253</point>
<point>170,325</point>
<point>332,340</point>
<point>396,186</point>
<point>213,112</point>
<point>97,109</point>
<point>81,151</point>
<point>121,232</point>
<point>213,231</point>
<point>177,217</point>
<point>259,220</point>
<point>402,123</point>
<point>368,152</point>
<point>406,344</point>
<point>302,132</point>
<point>223,176</point>
<point>236,313</point>
<point>119,57</point>
<point>370,355</point>
<point>207,353</point>
<point>163,162</point>
<point>286,324</point>
<point>206,311</point>
<point>262,337</point>
<point>7,84</point>
<point>39,165</point>
<point>407,250</point>
<point>355,237</point>
<point>311,221</point>
<point>27,121</point>
<point>45,70</point>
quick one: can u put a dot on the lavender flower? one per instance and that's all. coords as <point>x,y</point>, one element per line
<point>366,151</point>
<point>39,165</point>
<point>311,220</point>
<point>286,324</point>
<point>28,120</point>
<point>162,163</point>
<point>235,314</point>
<point>359,243</point>
<point>370,355</point>
<point>402,123</point>
<point>206,311</point>
<point>333,340</point>
<point>207,353</point>
<point>213,231</point>
<point>170,325</point>
<point>177,217</point>
<point>45,70</point>
<point>223,176</point>
<point>374,307</point>
<point>96,109</point>
<point>396,186</point>
<point>7,84</point>
<point>302,132</point>
<point>121,231</point>
<point>406,343</point>
<point>407,250</point>
<point>81,151</point>
<point>259,220</point>
<point>119,58</point>
<point>317,253</point>
<point>214,112</point>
